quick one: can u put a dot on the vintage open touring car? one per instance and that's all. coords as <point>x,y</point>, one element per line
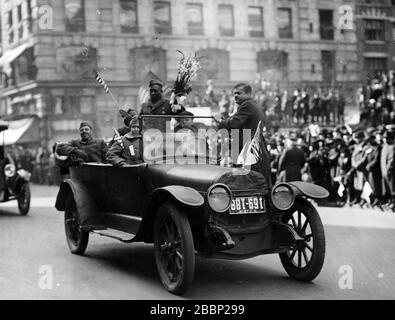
<point>194,209</point>
<point>14,182</point>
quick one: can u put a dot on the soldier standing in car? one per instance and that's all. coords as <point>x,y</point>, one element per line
<point>158,105</point>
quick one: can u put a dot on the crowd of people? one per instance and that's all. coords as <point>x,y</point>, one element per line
<point>39,162</point>
<point>357,165</point>
<point>291,108</point>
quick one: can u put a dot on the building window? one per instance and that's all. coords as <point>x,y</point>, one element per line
<point>29,16</point>
<point>162,17</point>
<point>128,16</point>
<point>374,66</point>
<point>226,20</point>
<point>195,19</point>
<point>255,21</point>
<point>393,32</point>
<point>10,26</point>
<point>75,15</point>
<point>24,67</point>
<point>273,64</point>
<point>326,25</point>
<point>145,60</point>
<point>284,19</point>
<point>86,105</point>
<point>19,22</point>
<point>85,63</point>
<point>328,60</point>
<point>215,65</point>
<point>374,30</point>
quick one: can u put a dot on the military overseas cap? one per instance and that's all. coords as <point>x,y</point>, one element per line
<point>134,121</point>
<point>155,82</point>
<point>86,124</point>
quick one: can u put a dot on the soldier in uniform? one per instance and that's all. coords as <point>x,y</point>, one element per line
<point>85,149</point>
<point>127,150</point>
<point>158,105</point>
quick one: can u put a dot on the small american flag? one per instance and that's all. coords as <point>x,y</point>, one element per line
<point>102,82</point>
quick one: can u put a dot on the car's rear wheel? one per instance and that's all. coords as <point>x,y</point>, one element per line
<point>174,249</point>
<point>77,239</point>
<point>24,199</point>
<point>304,261</point>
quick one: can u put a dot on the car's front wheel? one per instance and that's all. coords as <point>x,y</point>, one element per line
<point>174,249</point>
<point>304,261</point>
<point>24,199</point>
<point>77,239</point>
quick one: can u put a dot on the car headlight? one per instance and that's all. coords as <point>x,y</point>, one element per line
<point>219,198</point>
<point>9,170</point>
<point>283,197</point>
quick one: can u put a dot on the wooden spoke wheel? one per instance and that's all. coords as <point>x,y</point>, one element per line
<point>174,249</point>
<point>304,261</point>
<point>77,239</point>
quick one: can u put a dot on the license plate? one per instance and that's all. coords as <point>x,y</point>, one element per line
<point>247,205</point>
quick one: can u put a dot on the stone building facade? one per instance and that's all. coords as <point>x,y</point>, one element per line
<point>50,48</point>
<point>376,35</point>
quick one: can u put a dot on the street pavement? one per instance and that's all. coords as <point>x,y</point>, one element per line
<point>359,262</point>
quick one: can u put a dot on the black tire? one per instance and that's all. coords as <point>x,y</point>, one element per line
<point>24,199</point>
<point>174,249</point>
<point>312,249</point>
<point>77,239</point>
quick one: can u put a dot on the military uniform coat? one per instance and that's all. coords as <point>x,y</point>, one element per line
<point>130,152</point>
<point>161,107</point>
<point>92,150</point>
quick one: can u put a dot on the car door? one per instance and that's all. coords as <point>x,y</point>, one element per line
<point>126,193</point>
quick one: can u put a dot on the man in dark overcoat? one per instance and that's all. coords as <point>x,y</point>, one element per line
<point>246,118</point>
<point>292,161</point>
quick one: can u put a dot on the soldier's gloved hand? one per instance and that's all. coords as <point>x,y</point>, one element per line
<point>121,164</point>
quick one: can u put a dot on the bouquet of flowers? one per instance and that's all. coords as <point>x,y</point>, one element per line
<point>187,70</point>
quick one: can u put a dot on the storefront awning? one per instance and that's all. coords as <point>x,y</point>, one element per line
<point>12,54</point>
<point>20,131</point>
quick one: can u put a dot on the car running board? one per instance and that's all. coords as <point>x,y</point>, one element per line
<point>115,234</point>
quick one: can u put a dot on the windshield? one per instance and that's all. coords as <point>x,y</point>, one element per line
<point>186,140</point>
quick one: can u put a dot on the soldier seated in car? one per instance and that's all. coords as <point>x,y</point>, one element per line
<point>82,150</point>
<point>128,149</point>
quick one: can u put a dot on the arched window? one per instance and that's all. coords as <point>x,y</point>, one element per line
<point>215,64</point>
<point>147,59</point>
<point>273,65</point>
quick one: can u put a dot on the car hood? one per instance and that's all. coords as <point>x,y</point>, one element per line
<point>201,177</point>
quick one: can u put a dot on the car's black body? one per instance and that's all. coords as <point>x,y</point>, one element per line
<point>168,205</point>
<point>14,183</point>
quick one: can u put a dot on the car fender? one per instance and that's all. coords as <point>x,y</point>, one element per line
<point>185,196</point>
<point>84,201</point>
<point>309,190</point>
